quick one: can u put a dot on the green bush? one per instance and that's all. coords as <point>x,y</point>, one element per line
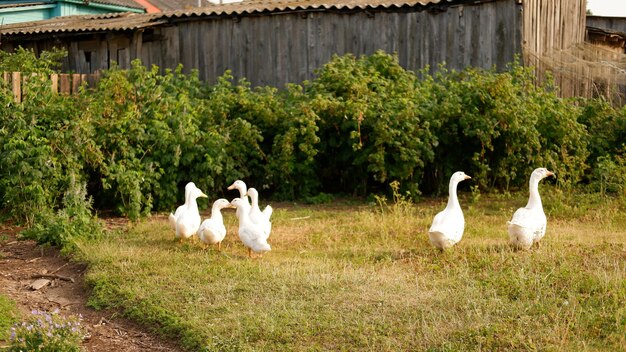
<point>372,126</point>
<point>359,125</point>
<point>73,220</point>
<point>498,127</point>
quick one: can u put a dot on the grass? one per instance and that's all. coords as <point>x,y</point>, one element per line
<point>353,277</point>
<point>8,316</point>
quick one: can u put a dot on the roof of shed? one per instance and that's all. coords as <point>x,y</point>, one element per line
<point>21,4</point>
<point>258,6</point>
<point>125,3</point>
<point>131,21</point>
<point>171,5</point>
<point>84,23</point>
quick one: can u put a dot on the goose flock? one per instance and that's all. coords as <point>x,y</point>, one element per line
<point>526,228</point>
<point>254,225</point>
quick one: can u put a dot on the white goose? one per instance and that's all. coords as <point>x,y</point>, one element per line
<point>448,225</point>
<point>181,208</point>
<point>243,195</point>
<point>528,225</point>
<point>256,215</point>
<point>251,234</point>
<point>212,230</point>
<point>187,217</point>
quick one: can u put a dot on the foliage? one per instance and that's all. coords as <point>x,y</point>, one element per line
<point>610,174</point>
<point>606,128</point>
<point>142,134</point>
<point>506,127</point>
<point>43,141</point>
<point>320,198</point>
<point>47,332</point>
<point>73,220</point>
<point>25,61</point>
<point>371,125</point>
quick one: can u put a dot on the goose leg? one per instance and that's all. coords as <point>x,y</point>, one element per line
<point>249,253</point>
<point>219,246</point>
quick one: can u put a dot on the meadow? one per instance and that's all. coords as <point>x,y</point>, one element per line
<point>362,276</point>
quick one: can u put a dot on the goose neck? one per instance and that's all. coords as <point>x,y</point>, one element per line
<point>216,213</point>
<point>242,192</point>
<point>534,200</point>
<point>453,200</point>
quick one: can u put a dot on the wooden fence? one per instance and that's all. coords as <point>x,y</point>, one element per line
<point>60,83</point>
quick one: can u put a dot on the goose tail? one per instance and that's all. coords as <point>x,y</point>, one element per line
<point>172,219</point>
<point>268,211</point>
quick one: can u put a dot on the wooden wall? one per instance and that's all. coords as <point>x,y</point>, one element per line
<point>553,25</point>
<point>274,49</point>
<point>611,23</point>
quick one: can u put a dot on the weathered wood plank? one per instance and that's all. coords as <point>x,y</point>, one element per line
<point>16,82</point>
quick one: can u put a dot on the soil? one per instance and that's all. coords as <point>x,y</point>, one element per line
<point>22,261</point>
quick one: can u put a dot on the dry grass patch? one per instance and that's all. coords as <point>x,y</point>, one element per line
<point>346,277</point>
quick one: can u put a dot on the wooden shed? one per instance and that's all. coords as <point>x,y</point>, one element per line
<point>278,42</point>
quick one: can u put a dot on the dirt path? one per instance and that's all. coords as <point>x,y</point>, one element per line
<point>22,261</point>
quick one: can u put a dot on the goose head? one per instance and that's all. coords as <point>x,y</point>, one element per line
<point>222,203</point>
<point>541,173</point>
<point>253,194</point>
<point>240,186</point>
<point>237,202</point>
<point>458,177</point>
<point>194,192</point>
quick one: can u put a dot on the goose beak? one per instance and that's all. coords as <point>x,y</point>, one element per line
<point>550,173</point>
<point>203,195</point>
<point>467,177</point>
<point>231,187</point>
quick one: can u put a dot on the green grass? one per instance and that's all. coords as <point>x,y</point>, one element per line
<point>8,316</point>
<point>350,277</point>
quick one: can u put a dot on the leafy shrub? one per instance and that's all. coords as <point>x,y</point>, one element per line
<point>25,60</point>
<point>47,332</point>
<point>42,141</point>
<point>610,174</point>
<point>606,126</point>
<point>140,136</point>
<point>371,125</point>
<point>72,221</point>
<point>498,127</point>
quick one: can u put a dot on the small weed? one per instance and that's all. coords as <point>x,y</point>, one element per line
<point>47,332</point>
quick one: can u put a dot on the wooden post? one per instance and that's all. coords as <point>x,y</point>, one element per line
<point>17,86</point>
<point>76,81</point>
<point>64,86</point>
<point>54,80</point>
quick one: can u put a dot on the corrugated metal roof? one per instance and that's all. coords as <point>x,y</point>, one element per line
<point>130,21</point>
<point>22,4</point>
<point>254,6</point>
<point>171,5</point>
<point>82,23</point>
<point>125,3</point>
